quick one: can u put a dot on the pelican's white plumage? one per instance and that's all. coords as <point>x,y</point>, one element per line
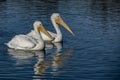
<point>26,42</point>
<point>56,19</point>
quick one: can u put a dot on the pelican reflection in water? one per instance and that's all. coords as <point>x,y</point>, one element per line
<point>58,60</point>
<point>22,56</point>
<point>59,57</point>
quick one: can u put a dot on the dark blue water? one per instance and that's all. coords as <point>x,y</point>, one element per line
<point>92,54</point>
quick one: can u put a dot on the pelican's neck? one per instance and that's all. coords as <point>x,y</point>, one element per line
<point>59,34</point>
<point>40,40</point>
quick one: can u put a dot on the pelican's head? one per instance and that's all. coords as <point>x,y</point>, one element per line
<point>38,25</point>
<point>58,20</point>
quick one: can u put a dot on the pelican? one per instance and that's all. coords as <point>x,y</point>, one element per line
<point>25,42</point>
<point>56,19</point>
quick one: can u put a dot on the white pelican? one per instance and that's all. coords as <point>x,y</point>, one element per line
<point>56,19</point>
<point>26,42</point>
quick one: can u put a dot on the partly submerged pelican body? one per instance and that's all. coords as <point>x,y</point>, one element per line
<point>56,19</point>
<point>26,42</point>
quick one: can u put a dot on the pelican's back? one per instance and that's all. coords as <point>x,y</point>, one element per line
<point>21,42</point>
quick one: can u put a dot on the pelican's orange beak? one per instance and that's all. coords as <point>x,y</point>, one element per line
<point>61,22</point>
<point>42,29</point>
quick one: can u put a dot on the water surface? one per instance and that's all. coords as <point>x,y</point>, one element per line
<point>92,54</point>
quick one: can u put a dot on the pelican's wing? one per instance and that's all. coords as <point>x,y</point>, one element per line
<point>32,34</point>
<point>21,42</point>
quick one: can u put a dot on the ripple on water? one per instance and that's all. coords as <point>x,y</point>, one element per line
<point>92,54</point>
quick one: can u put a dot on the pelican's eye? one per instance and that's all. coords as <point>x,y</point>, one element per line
<point>40,24</point>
